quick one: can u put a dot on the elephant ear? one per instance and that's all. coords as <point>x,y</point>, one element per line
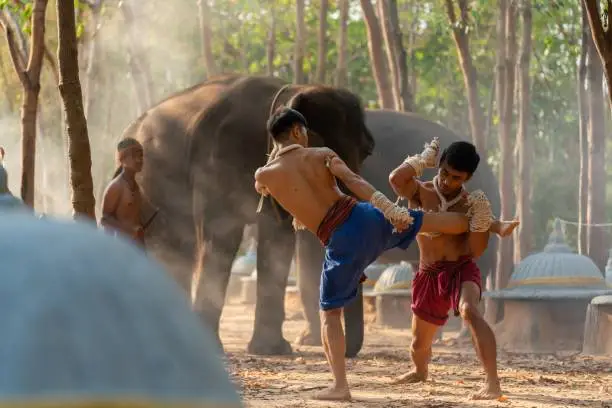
<point>322,115</point>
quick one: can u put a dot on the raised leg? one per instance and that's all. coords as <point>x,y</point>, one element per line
<point>275,248</point>
<point>219,240</point>
<point>483,338</point>
<point>423,334</point>
<point>310,259</point>
<point>335,348</point>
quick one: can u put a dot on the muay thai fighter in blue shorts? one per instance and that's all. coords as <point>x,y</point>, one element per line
<point>303,181</point>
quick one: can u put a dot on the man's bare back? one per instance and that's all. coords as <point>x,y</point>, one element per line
<point>301,182</point>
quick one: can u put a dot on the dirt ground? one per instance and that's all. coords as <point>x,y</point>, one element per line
<point>559,380</point>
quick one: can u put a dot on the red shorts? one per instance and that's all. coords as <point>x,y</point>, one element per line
<point>436,288</point>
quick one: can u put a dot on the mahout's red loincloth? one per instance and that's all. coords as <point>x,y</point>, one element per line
<point>436,288</point>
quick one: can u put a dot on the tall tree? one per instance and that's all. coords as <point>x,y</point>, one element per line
<point>583,120</point>
<point>505,92</point>
<point>396,55</point>
<point>601,37</point>
<point>83,201</point>
<point>460,30</point>
<point>139,68</point>
<point>300,43</point>
<point>598,57</point>
<point>524,243</point>
<point>206,38</point>
<point>271,43</point>
<point>341,79</point>
<point>376,51</point>
<point>28,69</point>
<point>322,42</point>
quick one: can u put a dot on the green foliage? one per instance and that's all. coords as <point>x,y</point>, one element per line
<point>170,35</point>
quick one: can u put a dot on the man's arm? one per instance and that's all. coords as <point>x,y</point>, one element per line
<point>398,216</point>
<point>403,179</point>
<point>355,183</point>
<point>260,176</point>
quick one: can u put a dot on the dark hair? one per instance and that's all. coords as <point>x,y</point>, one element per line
<point>461,156</point>
<point>124,144</point>
<point>282,120</point>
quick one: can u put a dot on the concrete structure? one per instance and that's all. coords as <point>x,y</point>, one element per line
<point>546,299</point>
<point>393,291</point>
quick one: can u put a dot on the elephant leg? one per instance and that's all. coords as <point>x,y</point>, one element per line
<point>275,248</point>
<point>309,258</point>
<point>219,244</point>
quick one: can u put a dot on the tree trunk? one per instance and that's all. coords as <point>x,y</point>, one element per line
<point>83,202</point>
<point>29,76</point>
<point>92,68</point>
<point>141,77</point>
<point>524,243</point>
<point>389,39</point>
<point>501,271</point>
<point>341,65</point>
<point>300,42</point>
<point>322,47</point>
<point>506,175</point>
<point>271,46</point>
<point>583,109</point>
<point>413,6</point>
<point>375,47</point>
<point>396,55</point>
<point>596,238</point>
<point>8,92</point>
<point>470,76</point>
<point>206,39</point>
<point>601,38</point>
<point>596,188</point>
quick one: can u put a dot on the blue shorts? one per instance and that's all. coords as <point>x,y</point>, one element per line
<point>354,245</point>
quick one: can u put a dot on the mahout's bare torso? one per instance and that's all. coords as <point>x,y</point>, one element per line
<point>437,247</point>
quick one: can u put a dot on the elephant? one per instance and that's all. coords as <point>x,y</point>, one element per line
<point>396,135</point>
<point>201,148</point>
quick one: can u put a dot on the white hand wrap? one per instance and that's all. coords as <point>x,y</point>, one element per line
<point>479,213</point>
<point>427,159</point>
<point>394,213</point>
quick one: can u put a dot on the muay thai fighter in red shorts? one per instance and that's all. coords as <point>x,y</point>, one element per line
<point>448,277</point>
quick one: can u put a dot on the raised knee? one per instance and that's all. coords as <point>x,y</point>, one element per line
<point>469,312</point>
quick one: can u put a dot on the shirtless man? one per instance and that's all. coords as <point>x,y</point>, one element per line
<point>448,276</point>
<point>303,181</point>
<point>122,204</point>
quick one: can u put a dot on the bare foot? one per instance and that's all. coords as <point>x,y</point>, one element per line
<point>409,378</point>
<point>488,392</point>
<point>507,227</point>
<point>333,394</point>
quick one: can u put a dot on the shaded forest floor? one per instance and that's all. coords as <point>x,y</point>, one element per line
<point>560,380</point>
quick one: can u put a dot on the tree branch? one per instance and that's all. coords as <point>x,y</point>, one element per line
<point>450,9</point>
<point>38,40</point>
<point>16,57</point>
<point>599,36</point>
